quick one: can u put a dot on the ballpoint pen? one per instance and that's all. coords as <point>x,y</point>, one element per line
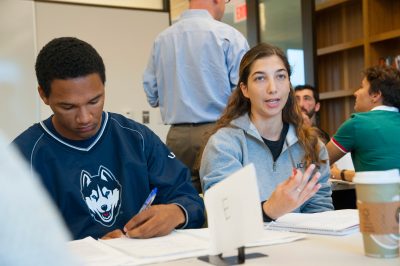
<point>149,200</point>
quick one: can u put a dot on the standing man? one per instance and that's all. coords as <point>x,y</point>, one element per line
<point>308,99</point>
<point>190,75</point>
<point>99,167</point>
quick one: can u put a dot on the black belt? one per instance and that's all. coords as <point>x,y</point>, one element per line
<point>191,124</point>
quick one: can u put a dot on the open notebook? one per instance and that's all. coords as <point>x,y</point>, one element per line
<point>339,222</point>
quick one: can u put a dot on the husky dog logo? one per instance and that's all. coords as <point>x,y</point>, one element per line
<point>102,195</point>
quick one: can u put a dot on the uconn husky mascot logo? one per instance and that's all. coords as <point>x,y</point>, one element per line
<point>102,195</point>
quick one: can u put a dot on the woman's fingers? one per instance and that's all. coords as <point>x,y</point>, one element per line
<point>311,188</point>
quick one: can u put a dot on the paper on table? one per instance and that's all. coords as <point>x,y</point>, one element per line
<point>345,162</point>
<point>92,252</point>
<point>267,238</point>
<point>339,222</point>
<point>177,245</point>
<point>270,237</point>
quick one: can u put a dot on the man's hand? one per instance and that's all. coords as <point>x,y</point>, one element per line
<point>292,193</point>
<point>306,119</point>
<point>158,220</point>
<point>335,172</point>
<point>117,233</point>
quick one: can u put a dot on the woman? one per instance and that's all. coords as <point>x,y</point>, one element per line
<point>263,125</point>
<point>372,134</point>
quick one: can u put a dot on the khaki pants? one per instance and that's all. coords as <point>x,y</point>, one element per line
<point>185,141</point>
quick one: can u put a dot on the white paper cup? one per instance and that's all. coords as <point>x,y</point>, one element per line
<point>378,202</point>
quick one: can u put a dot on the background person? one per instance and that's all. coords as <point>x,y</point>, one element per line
<point>190,75</point>
<point>263,125</point>
<point>371,134</point>
<point>307,98</point>
<point>99,167</point>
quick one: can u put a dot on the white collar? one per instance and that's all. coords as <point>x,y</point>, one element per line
<point>385,108</point>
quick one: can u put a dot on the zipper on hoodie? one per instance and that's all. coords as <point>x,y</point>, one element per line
<point>274,166</point>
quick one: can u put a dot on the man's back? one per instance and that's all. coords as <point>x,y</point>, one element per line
<point>191,74</point>
<point>194,68</point>
<point>372,137</point>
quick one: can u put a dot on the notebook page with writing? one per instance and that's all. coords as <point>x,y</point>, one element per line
<point>339,222</point>
<point>176,245</point>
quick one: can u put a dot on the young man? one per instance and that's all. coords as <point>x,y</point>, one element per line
<point>307,98</point>
<point>99,167</point>
<point>190,75</point>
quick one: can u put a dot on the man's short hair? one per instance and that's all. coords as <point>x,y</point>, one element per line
<point>387,81</point>
<point>66,58</point>
<point>308,87</point>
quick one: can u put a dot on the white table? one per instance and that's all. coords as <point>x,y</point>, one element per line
<point>314,250</point>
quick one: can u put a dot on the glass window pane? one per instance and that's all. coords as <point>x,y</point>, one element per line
<point>236,15</point>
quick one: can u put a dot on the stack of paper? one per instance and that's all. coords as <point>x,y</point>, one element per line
<point>340,222</point>
<point>177,245</point>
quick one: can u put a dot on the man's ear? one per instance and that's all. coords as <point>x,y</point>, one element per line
<point>317,106</point>
<point>43,95</point>
<point>376,97</point>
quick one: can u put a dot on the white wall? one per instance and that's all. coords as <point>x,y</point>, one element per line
<point>123,37</point>
<point>19,103</point>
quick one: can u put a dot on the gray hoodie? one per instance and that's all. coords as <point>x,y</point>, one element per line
<point>231,148</point>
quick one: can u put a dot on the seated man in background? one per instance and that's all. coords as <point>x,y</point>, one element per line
<point>372,134</point>
<point>307,98</point>
<point>31,230</point>
<point>99,167</point>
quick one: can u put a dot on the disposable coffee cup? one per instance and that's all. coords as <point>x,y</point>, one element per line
<point>378,203</point>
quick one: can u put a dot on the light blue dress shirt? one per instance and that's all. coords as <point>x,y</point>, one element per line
<point>193,68</point>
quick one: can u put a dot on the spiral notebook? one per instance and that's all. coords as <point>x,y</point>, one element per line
<point>339,222</point>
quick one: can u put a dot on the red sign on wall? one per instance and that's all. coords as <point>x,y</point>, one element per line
<point>240,12</point>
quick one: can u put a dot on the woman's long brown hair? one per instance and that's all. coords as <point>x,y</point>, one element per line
<point>238,104</point>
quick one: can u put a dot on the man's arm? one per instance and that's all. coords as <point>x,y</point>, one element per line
<point>342,174</point>
<point>334,152</point>
<point>150,81</point>
<point>237,47</point>
<point>177,204</point>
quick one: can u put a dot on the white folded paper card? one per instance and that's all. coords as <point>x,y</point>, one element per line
<point>234,211</point>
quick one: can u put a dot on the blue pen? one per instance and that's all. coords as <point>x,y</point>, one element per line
<point>149,200</point>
